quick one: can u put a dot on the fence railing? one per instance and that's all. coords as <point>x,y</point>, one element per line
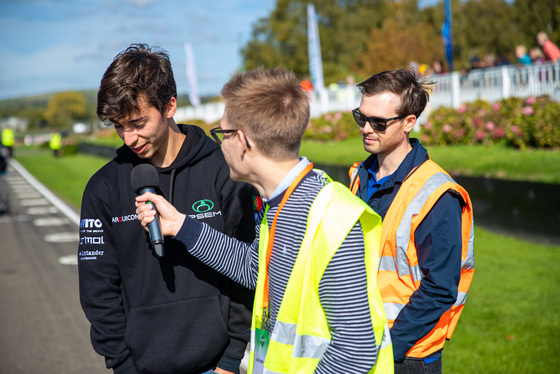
<point>451,90</point>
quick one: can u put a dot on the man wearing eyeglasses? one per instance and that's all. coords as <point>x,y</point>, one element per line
<point>149,313</point>
<point>313,264</point>
<point>426,257</point>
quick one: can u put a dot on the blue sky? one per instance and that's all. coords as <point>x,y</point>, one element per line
<point>57,45</point>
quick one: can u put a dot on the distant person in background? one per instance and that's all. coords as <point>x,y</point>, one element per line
<point>8,141</point>
<point>476,63</point>
<point>437,67</point>
<point>502,60</point>
<point>537,56</point>
<point>489,60</point>
<point>55,143</point>
<point>523,57</point>
<point>550,50</point>
<point>308,88</point>
<point>3,161</point>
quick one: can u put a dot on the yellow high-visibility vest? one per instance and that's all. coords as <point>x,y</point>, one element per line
<point>56,141</point>
<point>301,332</point>
<point>8,137</point>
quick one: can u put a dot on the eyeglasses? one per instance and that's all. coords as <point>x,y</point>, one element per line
<point>377,123</point>
<point>218,135</point>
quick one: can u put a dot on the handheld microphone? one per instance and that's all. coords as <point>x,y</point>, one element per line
<point>144,178</point>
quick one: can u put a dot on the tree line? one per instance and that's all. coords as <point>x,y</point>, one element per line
<point>358,39</point>
<point>362,37</point>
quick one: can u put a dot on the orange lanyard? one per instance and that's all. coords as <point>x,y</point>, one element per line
<point>273,231</point>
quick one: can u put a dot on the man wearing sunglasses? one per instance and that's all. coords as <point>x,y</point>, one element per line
<point>426,258</point>
<point>313,264</point>
<point>150,313</point>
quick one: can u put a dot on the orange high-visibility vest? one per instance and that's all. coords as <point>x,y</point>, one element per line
<point>399,273</point>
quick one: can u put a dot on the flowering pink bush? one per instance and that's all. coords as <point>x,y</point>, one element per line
<point>522,123</point>
<point>531,100</point>
<point>332,127</point>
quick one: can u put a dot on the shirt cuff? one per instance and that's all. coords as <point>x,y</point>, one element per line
<point>229,364</point>
<point>189,232</point>
<point>127,367</point>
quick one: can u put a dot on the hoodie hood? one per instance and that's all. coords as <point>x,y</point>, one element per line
<point>196,147</point>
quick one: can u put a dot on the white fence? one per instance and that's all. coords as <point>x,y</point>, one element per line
<point>451,90</point>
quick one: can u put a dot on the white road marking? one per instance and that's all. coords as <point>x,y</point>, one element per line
<point>20,218</point>
<point>28,195</point>
<point>50,221</point>
<point>32,202</point>
<point>41,210</point>
<point>63,237</point>
<point>68,260</point>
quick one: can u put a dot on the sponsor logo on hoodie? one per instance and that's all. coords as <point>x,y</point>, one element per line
<point>203,208</point>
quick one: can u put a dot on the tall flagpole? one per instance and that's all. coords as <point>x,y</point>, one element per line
<point>447,35</point>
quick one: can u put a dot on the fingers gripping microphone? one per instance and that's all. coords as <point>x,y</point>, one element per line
<point>144,178</point>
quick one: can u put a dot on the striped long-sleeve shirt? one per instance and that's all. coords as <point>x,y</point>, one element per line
<point>342,289</point>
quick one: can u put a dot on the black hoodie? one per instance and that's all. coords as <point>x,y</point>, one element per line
<point>172,314</point>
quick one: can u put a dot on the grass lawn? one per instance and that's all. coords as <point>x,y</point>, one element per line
<point>493,162</point>
<point>511,323</point>
<point>66,176</point>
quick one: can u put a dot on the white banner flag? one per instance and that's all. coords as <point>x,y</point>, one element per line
<point>314,50</point>
<point>191,75</point>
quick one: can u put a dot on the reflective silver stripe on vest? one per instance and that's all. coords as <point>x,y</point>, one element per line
<point>307,346</point>
<point>386,341</point>
<point>403,232</point>
<point>461,298</point>
<point>284,333</point>
<point>392,310</point>
<point>387,263</point>
<point>252,341</point>
<point>469,261</point>
<point>266,371</point>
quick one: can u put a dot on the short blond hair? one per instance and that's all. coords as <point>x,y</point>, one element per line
<point>272,107</point>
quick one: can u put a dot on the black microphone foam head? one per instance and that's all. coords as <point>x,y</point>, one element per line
<point>144,175</point>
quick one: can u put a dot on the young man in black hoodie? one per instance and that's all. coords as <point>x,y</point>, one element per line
<point>168,314</point>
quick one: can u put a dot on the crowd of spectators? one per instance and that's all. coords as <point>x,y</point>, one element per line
<point>545,51</point>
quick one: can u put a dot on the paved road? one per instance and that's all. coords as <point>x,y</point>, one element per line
<point>42,326</point>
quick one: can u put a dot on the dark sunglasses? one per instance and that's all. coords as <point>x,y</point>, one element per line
<point>377,123</point>
<point>218,135</point>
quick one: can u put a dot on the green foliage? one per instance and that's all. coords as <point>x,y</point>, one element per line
<point>534,16</point>
<point>65,108</point>
<point>281,38</point>
<point>532,122</point>
<point>332,126</point>
<point>415,40</point>
<point>484,27</point>
<point>362,37</point>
